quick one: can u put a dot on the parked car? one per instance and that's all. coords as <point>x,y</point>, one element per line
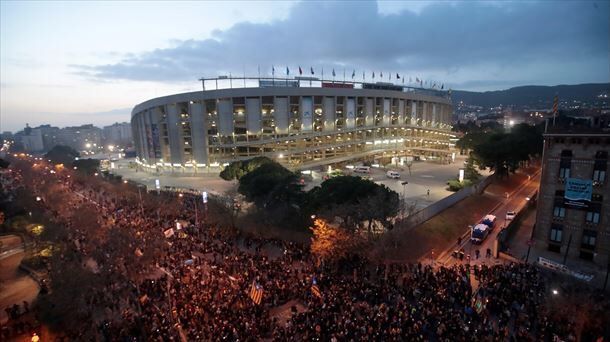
<point>362,169</point>
<point>510,215</point>
<point>393,174</point>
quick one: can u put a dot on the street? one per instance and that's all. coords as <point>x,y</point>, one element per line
<point>516,201</point>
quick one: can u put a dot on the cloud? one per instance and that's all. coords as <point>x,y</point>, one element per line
<point>445,40</point>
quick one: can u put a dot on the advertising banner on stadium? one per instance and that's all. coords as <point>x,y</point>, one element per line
<point>578,193</point>
<point>278,83</point>
<point>337,85</point>
<point>306,114</point>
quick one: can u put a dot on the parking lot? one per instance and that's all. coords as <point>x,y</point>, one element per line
<point>424,176</point>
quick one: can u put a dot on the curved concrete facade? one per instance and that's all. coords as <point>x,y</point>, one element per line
<point>300,126</point>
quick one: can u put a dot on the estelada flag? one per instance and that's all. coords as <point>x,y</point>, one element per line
<point>256,293</point>
<point>315,289</point>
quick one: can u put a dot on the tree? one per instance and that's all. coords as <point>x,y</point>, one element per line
<point>87,166</point>
<point>270,184</point>
<point>238,169</point>
<point>4,163</point>
<point>332,243</point>
<point>353,199</point>
<point>61,154</point>
<point>382,204</point>
<point>503,152</point>
<point>470,171</point>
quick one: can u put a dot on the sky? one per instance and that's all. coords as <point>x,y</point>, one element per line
<point>71,63</point>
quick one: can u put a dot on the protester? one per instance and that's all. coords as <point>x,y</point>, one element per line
<point>196,282</point>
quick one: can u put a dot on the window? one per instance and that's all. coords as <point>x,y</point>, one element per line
<point>556,233</point>
<point>559,212</point>
<point>564,172</point>
<point>599,167</point>
<point>592,217</point>
<point>588,239</point>
<point>599,176</point>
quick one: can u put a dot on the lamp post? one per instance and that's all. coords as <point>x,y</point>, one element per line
<point>404,188</point>
<point>404,197</point>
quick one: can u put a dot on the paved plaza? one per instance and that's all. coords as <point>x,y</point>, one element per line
<point>423,176</point>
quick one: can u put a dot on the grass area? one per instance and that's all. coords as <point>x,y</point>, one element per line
<point>500,186</point>
<point>443,230</point>
<point>439,233</point>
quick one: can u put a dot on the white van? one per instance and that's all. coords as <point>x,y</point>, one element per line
<point>393,174</point>
<point>362,169</point>
<point>479,233</point>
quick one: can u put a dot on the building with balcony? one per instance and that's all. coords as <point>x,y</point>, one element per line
<point>296,123</point>
<point>573,214</point>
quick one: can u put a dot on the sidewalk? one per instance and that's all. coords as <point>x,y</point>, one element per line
<point>204,182</point>
<point>16,286</point>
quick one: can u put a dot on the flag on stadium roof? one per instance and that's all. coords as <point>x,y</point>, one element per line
<point>334,72</point>
<point>353,74</point>
<point>300,70</point>
<point>256,293</point>
<point>397,76</point>
<point>311,69</point>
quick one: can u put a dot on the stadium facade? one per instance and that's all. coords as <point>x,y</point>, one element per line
<point>294,122</point>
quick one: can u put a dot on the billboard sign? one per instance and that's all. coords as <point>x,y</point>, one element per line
<point>337,85</point>
<point>278,83</point>
<point>381,86</point>
<point>578,193</point>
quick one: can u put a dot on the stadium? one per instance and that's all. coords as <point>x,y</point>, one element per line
<point>301,123</point>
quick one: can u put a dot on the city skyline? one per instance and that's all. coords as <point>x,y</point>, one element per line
<point>77,69</point>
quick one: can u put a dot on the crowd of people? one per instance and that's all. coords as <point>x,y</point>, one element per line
<point>158,282</point>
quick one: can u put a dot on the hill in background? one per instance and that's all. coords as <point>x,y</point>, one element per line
<point>533,96</point>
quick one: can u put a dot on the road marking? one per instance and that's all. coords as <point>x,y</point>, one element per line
<point>427,176</point>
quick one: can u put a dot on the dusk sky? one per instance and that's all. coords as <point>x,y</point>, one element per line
<point>70,63</point>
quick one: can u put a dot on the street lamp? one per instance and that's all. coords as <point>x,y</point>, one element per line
<point>404,188</point>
